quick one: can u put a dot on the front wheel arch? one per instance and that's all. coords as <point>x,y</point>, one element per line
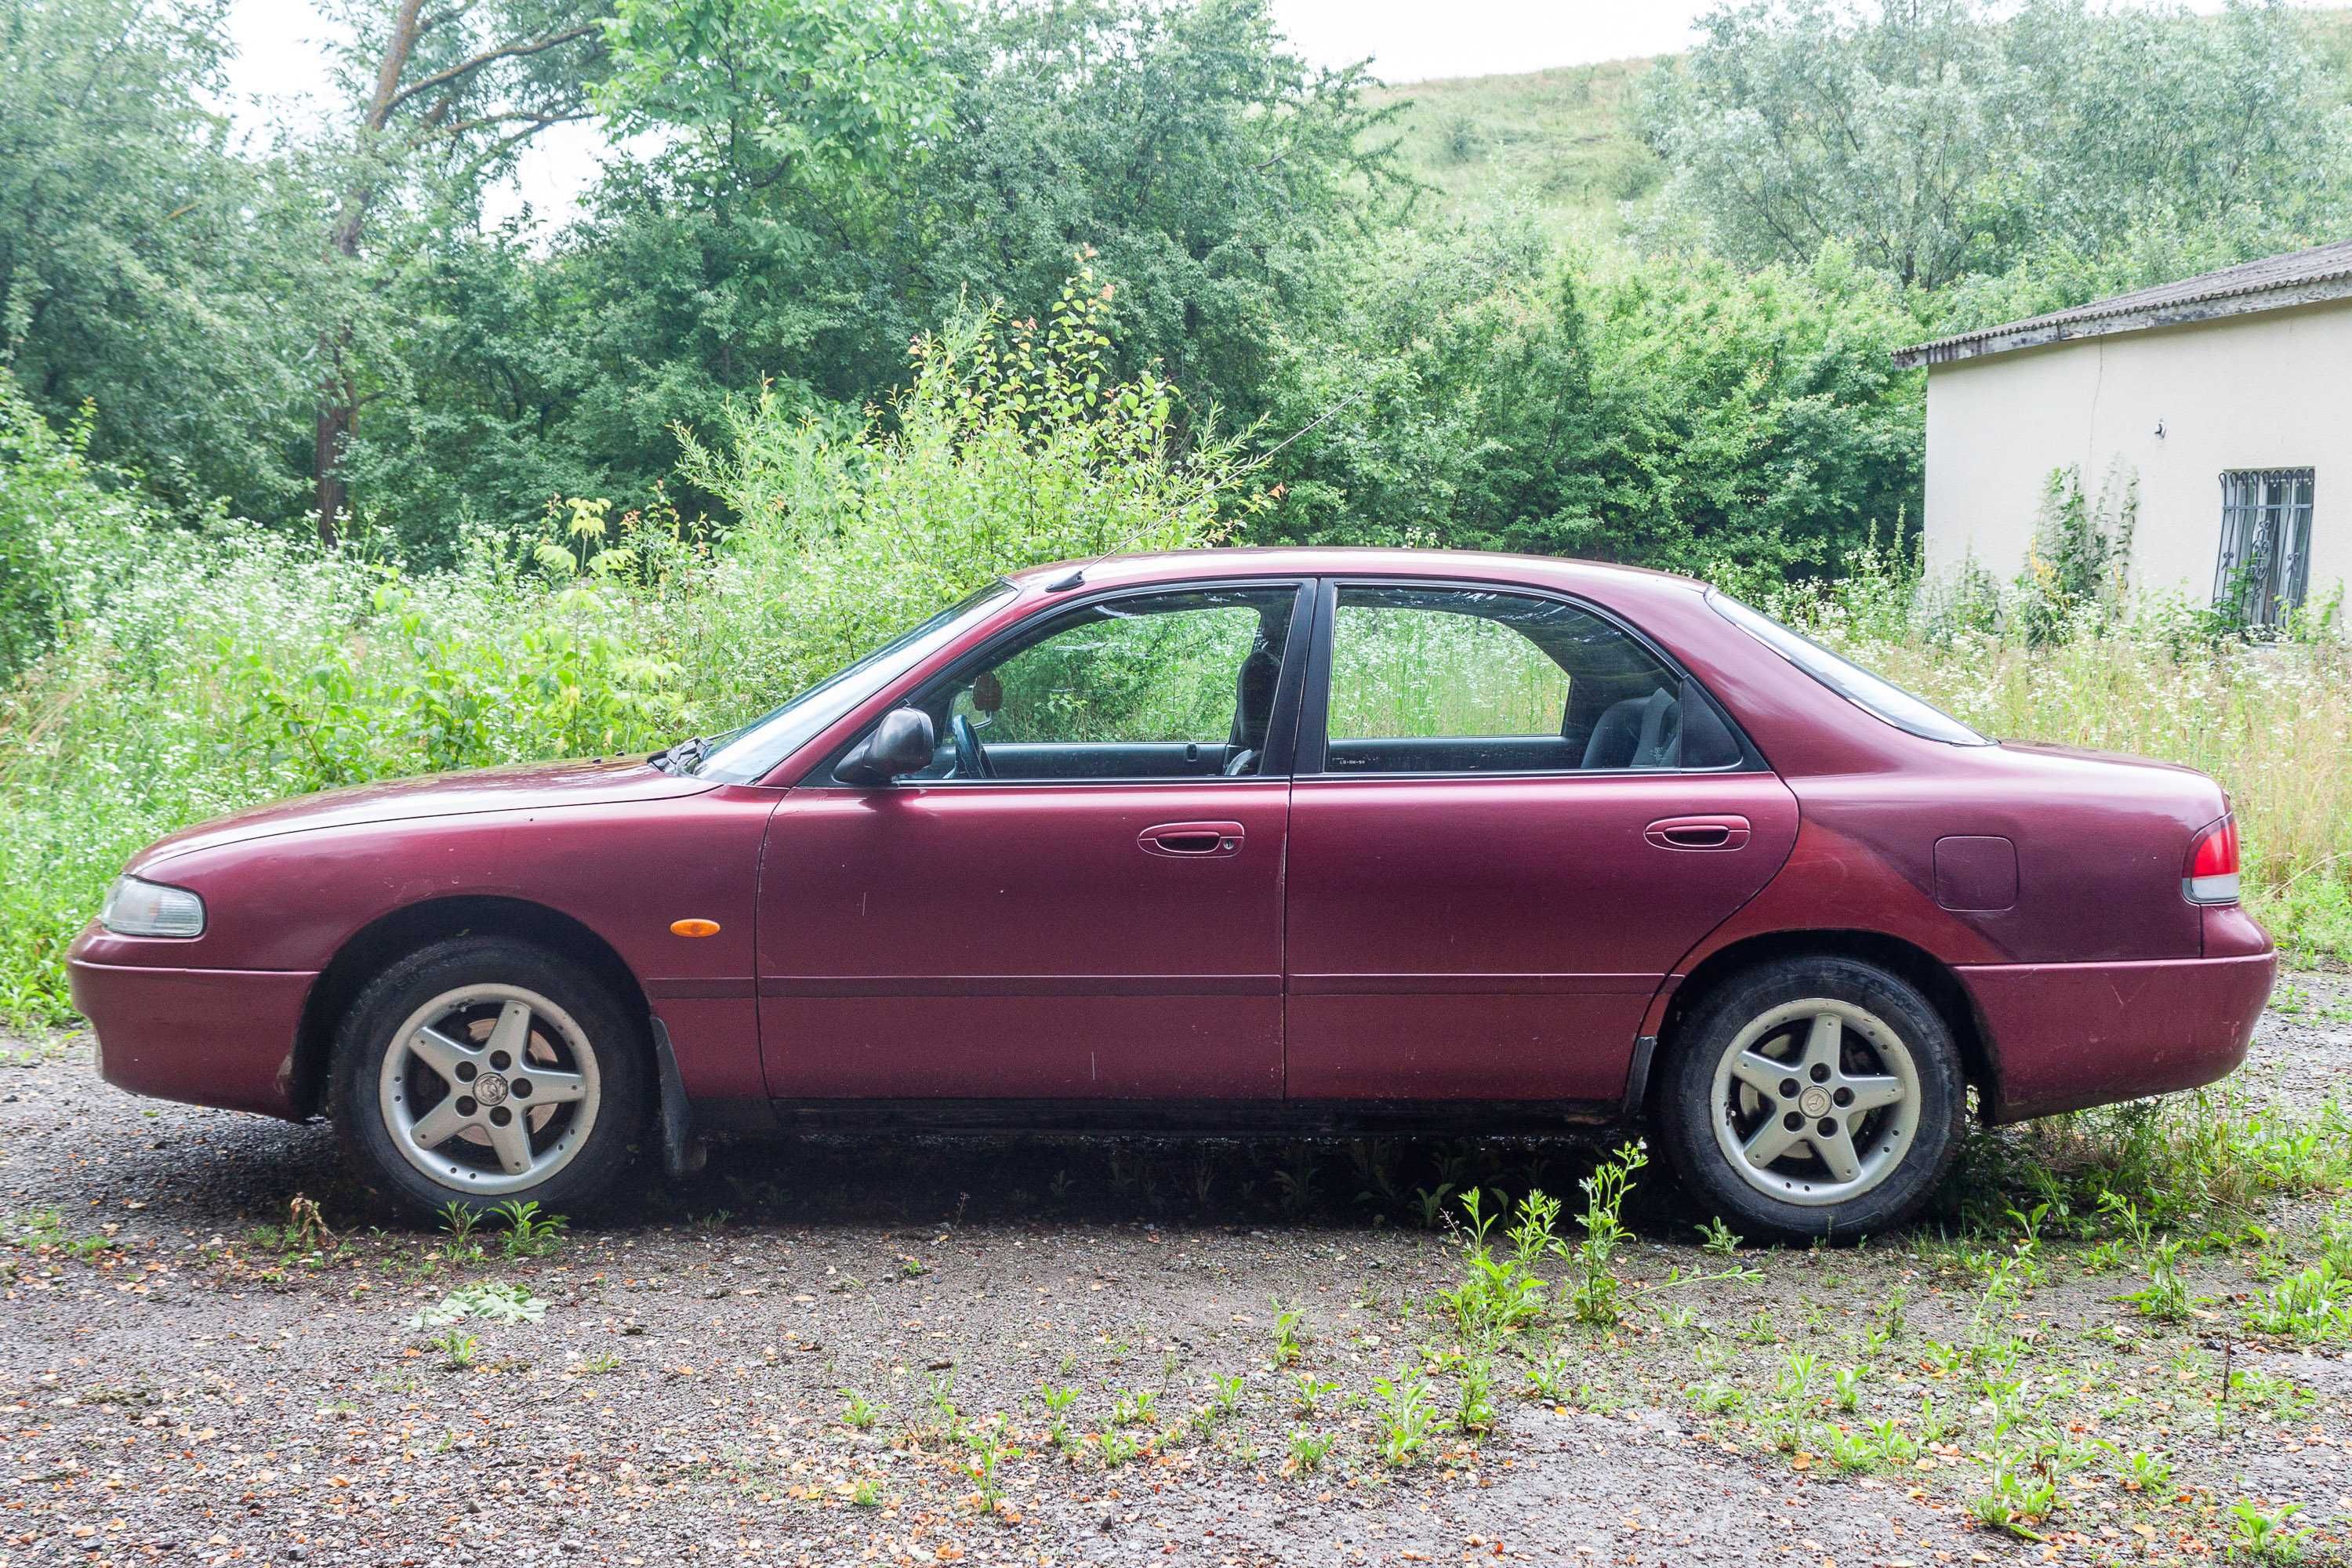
<point>1931,975</point>
<point>390,938</point>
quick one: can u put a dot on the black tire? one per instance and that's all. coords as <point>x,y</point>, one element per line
<point>1703,1109</point>
<point>617,1079</point>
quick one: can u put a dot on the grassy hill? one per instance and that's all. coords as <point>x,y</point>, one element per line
<point>1561,142</point>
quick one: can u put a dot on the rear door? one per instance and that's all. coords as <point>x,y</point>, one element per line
<point>1082,899</point>
<point>1512,815</point>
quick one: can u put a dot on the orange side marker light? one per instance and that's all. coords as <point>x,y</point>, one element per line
<point>694,928</point>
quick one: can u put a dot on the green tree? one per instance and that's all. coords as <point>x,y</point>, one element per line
<point>1470,391</point>
<point>441,103</point>
<point>1210,169</point>
<point>1752,417</point>
<point>144,264</point>
<point>1441,394</point>
<point>1942,138</point>
<point>755,94</point>
<point>793,234</point>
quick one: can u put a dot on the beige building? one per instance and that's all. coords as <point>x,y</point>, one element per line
<point>2228,397</point>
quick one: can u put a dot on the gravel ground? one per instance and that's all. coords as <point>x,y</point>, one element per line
<point>186,1375</point>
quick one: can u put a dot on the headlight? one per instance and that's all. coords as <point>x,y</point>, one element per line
<point>135,908</point>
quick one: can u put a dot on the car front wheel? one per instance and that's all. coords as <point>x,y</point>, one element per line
<point>482,1070</point>
<point>1812,1097</point>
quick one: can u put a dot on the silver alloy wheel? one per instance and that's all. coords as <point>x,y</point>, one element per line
<point>1815,1101</point>
<point>488,1088</point>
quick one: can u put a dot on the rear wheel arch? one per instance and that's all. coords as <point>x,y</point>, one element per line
<point>1933,978</point>
<point>390,938</point>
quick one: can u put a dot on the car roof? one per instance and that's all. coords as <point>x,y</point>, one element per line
<point>1281,561</point>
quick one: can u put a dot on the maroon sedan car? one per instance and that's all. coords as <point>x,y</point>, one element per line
<point>1229,841</point>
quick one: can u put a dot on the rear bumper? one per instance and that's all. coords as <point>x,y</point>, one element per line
<point>2066,1035</point>
<point>209,1037</point>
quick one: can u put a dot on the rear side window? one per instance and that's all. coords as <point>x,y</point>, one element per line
<point>1470,680</point>
<point>1873,694</point>
<point>1412,663</point>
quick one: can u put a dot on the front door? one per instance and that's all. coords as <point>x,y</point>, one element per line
<point>1081,899</point>
<point>1522,817</point>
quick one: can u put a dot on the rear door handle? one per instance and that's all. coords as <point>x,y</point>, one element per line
<point>1191,840</point>
<point>1699,832</point>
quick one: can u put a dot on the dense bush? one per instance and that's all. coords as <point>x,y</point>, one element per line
<point>1474,392</point>
<point>1014,443</point>
<point>59,521</point>
<point>1754,417</point>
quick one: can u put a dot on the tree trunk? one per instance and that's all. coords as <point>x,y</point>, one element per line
<point>329,495</point>
<point>336,409</point>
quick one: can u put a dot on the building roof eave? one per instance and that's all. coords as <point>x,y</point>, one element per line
<point>2277,283</point>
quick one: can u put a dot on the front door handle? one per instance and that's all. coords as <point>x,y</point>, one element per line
<point>1699,832</point>
<point>1191,840</point>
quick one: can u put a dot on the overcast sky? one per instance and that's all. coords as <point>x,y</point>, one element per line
<point>1408,40</point>
<point>279,42</point>
<point>1414,41</point>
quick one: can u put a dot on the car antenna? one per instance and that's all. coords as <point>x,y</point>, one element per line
<point>1076,576</point>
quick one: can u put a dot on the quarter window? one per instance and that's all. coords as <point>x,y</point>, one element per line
<point>1468,680</point>
<point>2265,544</point>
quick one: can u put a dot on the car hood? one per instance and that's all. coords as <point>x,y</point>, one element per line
<point>521,787</point>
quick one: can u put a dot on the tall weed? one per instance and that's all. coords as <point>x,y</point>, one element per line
<point>2068,655</point>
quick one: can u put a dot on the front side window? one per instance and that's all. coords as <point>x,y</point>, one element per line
<point>748,754</point>
<point>1175,685</point>
<point>1465,680</point>
<point>2265,545</point>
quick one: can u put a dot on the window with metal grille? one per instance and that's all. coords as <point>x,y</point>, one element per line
<point>2265,543</point>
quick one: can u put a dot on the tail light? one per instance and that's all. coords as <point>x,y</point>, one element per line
<point>2211,876</point>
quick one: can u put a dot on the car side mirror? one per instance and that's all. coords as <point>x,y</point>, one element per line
<point>904,743</point>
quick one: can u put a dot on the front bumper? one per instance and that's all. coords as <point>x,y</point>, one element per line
<point>209,1037</point>
<point>2066,1035</point>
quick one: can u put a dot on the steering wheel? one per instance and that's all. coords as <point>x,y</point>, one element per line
<point>971,762</point>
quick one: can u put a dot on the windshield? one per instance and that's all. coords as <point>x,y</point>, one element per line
<point>1848,679</point>
<point>752,751</point>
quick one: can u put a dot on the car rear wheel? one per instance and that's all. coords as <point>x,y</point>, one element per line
<point>483,1070</point>
<point>1812,1097</point>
